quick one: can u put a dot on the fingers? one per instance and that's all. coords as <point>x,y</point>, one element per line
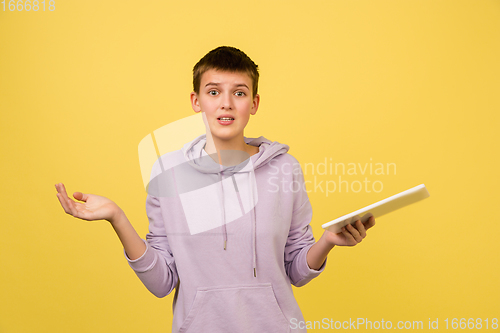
<point>63,202</point>
<point>348,236</point>
<point>356,233</point>
<point>361,229</point>
<point>62,196</point>
<point>370,223</point>
<point>62,190</point>
<point>67,204</point>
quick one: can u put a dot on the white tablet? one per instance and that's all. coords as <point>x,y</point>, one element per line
<point>380,208</point>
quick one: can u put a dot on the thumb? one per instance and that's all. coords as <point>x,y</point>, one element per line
<point>80,196</point>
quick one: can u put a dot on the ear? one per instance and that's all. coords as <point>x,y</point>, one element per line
<point>255,104</point>
<point>195,103</point>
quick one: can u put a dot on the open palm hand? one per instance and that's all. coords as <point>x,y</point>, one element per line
<point>89,207</point>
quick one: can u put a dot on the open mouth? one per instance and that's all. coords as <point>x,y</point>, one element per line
<point>225,118</point>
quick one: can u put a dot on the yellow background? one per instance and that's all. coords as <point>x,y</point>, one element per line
<point>415,83</point>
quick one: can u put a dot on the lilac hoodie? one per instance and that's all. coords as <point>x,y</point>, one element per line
<point>230,239</point>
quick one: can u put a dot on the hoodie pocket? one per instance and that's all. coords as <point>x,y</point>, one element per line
<point>240,308</point>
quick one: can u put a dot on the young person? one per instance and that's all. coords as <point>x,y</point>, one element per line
<point>225,229</point>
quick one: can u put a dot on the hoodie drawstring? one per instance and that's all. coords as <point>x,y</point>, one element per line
<point>254,226</point>
<point>253,220</point>
<point>222,208</point>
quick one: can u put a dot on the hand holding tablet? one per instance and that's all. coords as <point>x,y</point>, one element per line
<point>380,208</point>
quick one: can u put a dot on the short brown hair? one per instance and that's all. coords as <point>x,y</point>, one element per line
<point>226,58</point>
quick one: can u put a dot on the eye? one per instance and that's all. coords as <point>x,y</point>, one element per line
<point>240,94</point>
<point>213,92</point>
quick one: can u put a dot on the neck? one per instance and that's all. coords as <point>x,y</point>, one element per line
<point>214,146</point>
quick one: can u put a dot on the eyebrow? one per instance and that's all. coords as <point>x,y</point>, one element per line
<point>217,84</point>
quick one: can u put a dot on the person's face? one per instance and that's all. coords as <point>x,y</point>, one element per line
<point>226,94</point>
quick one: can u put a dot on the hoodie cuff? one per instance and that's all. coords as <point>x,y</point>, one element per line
<point>145,262</point>
<point>305,271</point>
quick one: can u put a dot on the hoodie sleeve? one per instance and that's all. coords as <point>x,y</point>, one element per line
<point>156,267</point>
<point>300,237</point>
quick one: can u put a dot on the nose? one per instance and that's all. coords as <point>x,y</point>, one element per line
<point>226,102</point>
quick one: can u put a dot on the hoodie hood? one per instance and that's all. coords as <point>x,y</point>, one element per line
<point>242,174</point>
<point>198,158</point>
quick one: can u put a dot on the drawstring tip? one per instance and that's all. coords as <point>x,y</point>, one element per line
<point>254,272</point>
<point>224,244</point>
